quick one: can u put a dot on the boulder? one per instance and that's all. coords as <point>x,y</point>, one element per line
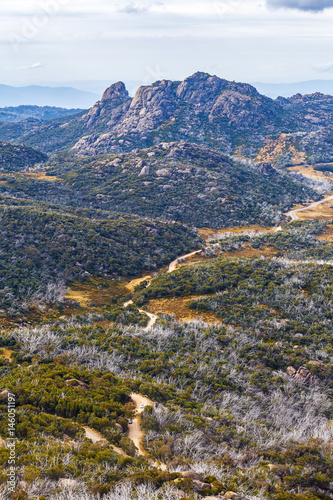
<point>119,427</point>
<point>200,486</point>
<point>291,371</point>
<point>191,474</point>
<point>73,382</point>
<point>267,169</point>
<point>4,394</point>
<point>145,171</point>
<point>230,495</point>
<point>71,483</point>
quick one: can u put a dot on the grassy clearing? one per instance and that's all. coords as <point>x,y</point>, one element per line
<point>178,308</point>
<point>96,292</point>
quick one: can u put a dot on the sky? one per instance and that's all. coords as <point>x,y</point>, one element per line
<point>57,41</point>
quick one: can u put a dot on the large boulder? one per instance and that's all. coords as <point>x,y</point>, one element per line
<point>73,382</point>
<point>231,495</point>
<point>191,474</point>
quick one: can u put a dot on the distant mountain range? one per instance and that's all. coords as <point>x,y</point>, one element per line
<point>64,97</point>
<point>228,116</point>
<point>274,90</point>
<point>19,113</point>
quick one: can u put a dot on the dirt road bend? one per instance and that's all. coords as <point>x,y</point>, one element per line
<point>135,432</point>
<point>174,263</point>
<point>97,437</point>
<point>293,213</point>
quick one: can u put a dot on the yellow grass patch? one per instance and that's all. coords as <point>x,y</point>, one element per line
<point>207,233</point>
<point>320,212</point>
<point>6,353</point>
<point>308,171</point>
<point>278,147</point>
<point>327,235</point>
<point>96,291</point>
<point>134,283</point>
<point>177,307</point>
<point>40,176</point>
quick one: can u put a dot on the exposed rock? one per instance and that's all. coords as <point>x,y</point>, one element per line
<point>302,375</point>
<point>72,483</point>
<point>267,169</point>
<point>291,371</point>
<point>73,382</point>
<point>200,486</point>
<point>230,495</point>
<point>145,171</point>
<point>163,172</point>
<point>200,101</point>
<point>119,427</point>
<point>4,394</point>
<point>190,474</point>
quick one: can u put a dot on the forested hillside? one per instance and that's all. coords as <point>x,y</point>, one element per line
<point>165,322</point>
<point>179,182</point>
<point>41,251</point>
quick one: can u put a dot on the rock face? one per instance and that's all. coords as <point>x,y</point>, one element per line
<point>4,394</point>
<point>201,105</point>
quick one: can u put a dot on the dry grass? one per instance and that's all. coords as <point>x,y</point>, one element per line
<point>40,176</point>
<point>177,307</point>
<point>281,146</point>
<point>248,251</point>
<point>6,353</point>
<point>327,235</point>
<point>308,171</point>
<point>97,292</point>
<point>320,212</point>
<point>207,233</point>
<point>131,285</point>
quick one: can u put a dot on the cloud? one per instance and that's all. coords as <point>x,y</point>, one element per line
<point>135,8</point>
<point>36,65</point>
<point>306,5</point>
<point>324,68</point>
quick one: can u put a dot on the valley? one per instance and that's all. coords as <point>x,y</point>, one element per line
<point>166,296</point>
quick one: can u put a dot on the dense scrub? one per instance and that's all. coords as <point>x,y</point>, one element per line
<point>175,182</point>
<point>225,406</point>
<point>42,250</point>
<point>16,158</point>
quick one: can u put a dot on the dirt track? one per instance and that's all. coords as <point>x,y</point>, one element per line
<point>135,432</point>
<point>293,213</point>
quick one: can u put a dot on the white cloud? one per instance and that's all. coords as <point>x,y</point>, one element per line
<point>324,67</point>
<point>305,5</point>
<point>36,65</point>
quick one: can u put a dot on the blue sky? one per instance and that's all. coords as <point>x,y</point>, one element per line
<point>50,41</point>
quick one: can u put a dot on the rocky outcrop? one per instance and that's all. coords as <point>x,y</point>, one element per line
<point>111,107</point>
<point>302,375</point>
<point>4,394</point>
<point>267,169</point>
<point>230,495</point>
<point>73,382</point>
<point>202,104</point>
<point>190,474</point>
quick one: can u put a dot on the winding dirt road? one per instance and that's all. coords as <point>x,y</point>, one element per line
<point>174,263</point>
<point>135,432</point>
<point>152,317</point>
<point>96,437</point>
<point>293,213</point>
